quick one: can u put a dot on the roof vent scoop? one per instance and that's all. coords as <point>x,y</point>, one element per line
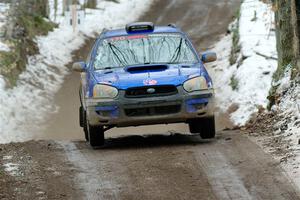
<point>140,27</point>
<point>146,68</point>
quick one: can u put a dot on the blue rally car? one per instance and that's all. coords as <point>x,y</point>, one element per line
<point>142,75</point>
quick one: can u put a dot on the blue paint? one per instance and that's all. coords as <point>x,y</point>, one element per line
<point>174,74</point>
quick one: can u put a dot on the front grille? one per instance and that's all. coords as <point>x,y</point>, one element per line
<point>152,111</point>
<point>150,91</point>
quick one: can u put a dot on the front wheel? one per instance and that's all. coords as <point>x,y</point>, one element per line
<point>81,116</point>
<point>83,122</point>
<point>205,126</point>
<point>95,135</point>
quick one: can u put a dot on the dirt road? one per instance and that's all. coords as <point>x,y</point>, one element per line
<point>135,163</point>
<point>153,167</point>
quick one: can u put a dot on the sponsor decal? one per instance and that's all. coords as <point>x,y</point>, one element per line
<point>131,37</point>
<point>117,38</point>
<point>150,82</point>
<point>165,35</point>
<point>136,37</point>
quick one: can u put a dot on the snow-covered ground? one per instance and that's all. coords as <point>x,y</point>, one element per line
<point>4,7</point>
<point>256,64</point>
<point>288,127</point>
<point>284,122</point>
<point>26,105</point>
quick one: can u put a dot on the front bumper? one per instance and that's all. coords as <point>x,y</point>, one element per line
<point>123,112</point>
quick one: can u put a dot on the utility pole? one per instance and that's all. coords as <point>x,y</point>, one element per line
<point>64,6</point>
<point>74,16</point>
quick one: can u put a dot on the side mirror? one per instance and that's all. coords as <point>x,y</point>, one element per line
<point>79,67</point>
<point>207,57</point>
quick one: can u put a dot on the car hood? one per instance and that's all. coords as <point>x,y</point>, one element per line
<point>138,76</point>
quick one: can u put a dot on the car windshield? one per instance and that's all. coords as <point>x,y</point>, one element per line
<point>143,49</point>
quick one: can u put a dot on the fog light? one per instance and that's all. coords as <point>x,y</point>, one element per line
<point>194,105</point>
<point>104,113</point>
<point>107,111</point>
<point>200,106</point>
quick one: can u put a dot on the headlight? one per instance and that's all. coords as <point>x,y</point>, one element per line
<point>194,84</point>
<point>105,91</point>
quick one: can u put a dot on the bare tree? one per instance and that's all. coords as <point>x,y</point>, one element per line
<point>91,4</point>
<point>287,30</point>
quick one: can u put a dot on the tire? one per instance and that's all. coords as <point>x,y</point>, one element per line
<point>205,126</point>
<point>95,135</point>
<point>83,122</point>
<point>194,125</point>
<point>81,116</point>
<point>208,128</point>
<point>85,127</point>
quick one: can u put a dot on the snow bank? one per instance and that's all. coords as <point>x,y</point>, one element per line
<point>24,107</point>
<point>256,64</point>
<point>289,125</point>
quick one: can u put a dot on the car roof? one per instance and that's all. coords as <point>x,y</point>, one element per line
<point>123,32</point>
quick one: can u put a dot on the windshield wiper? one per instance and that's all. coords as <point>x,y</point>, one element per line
<point>178,50</point>
<point>111,46</point>
<point>107,68</point>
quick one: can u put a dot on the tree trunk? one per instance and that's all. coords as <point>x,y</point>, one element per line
<point>91,4</point>
<point>287,32</point>
<point>284,31</point>
<point>40,7</point>
<point>297,4</point>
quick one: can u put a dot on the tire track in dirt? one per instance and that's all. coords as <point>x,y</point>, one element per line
<point>185,167</point>
<point>225,181</point>
<point>90,177</point>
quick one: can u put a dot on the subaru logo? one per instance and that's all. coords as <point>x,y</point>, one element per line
<point>151,90</point>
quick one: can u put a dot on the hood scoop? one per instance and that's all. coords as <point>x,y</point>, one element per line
<point>146,68</point>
